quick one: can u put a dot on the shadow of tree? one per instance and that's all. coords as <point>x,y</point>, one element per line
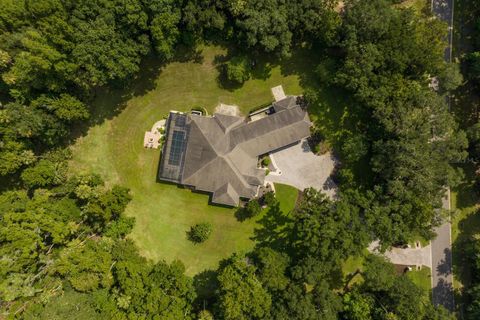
<point>444,268</point>
<point>462,264</point>
<point>466,193</point>
<point>274,230</point>
<point>205,284</point>
<point>442,294</point>
<point>241,214</point>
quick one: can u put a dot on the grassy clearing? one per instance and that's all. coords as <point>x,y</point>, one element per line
<point>113,147</point>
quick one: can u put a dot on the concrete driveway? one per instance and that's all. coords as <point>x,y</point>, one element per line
<point>299,167</point>
<point>419,256</point>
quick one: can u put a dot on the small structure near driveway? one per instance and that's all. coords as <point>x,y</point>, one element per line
<point>278,93</point>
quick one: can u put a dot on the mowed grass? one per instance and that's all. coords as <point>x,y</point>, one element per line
<point>113,147</point>
<point>422,278</point>
<point>287,196</point>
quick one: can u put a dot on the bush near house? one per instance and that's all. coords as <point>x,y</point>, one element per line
<point>265,161</point>
<point>252,208</point>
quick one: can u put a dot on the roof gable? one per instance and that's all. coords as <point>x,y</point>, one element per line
<point>226,195</point>
<point>227,121</point>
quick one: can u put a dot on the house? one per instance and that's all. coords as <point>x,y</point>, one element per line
<point>219,154</point>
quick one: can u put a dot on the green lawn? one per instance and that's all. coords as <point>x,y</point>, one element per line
<point>422,278</point>
<point>287,196</point>
<point>113,147</point>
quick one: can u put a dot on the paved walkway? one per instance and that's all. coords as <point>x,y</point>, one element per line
<point>299,167</point>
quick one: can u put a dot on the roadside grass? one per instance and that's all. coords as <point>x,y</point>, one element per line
<point>113,147</point>
<point>465,225</point>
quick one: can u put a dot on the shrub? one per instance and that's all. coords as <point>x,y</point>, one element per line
<point>238,69</point>
<point>252,208</point>
<point>269,199</point>
<point>265,161</point>
<point>200,232</point>
<point>323,147</point>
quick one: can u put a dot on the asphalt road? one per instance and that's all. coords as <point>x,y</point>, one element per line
<point>442,276</point>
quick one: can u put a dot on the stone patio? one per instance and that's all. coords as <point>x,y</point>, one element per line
<point>151,138</point>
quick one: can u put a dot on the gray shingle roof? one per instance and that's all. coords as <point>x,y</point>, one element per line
<point>220,153</point>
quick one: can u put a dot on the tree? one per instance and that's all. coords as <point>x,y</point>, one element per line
<point>107,206</point>
<point>450,78</point>
<point>13,156</point>
<point>65,107</point>
<point>263,25</point>
<point>238,69</point>
<point>205,315</point>
<point>164,23</point>
<point>252,208</point>
<point>354,148</point>
<point>144,289</point>
<point>386,295</point>
<point>200,232</point>
<point>64,306</point>
<point>87,265</point>
<point>473,61</point>
<point>272,268</point>
<point>241,295</point>
<point>324,233</point>
<point>356,306</point>
<point>120,227</point>
<point>412,138</point>
<point>41,175</point>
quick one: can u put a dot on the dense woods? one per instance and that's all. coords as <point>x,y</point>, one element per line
<point>63,238</point>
